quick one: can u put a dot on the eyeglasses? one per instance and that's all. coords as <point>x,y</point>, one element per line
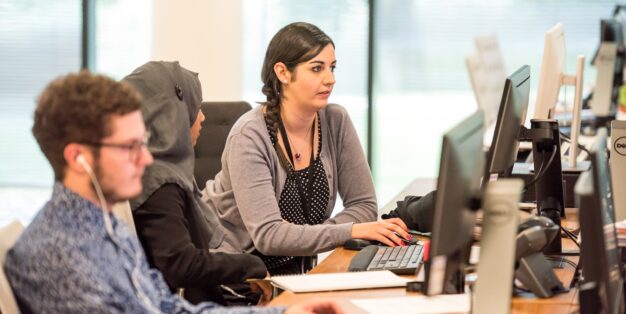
<point>134,148</point>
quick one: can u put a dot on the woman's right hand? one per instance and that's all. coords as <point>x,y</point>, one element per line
<point>386,231</point>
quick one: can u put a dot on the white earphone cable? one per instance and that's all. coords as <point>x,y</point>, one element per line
<point>109,229</point>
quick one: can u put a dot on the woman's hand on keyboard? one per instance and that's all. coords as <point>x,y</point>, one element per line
<point>386,231</point>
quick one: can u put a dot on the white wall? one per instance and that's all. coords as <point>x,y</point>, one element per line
<point>205,36</point>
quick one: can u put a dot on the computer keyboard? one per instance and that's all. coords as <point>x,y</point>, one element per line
<point>401,260</point>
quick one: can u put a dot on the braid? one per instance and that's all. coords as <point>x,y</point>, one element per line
<point>272,113</point>
<point>272,116</point>
<point>293,44</point>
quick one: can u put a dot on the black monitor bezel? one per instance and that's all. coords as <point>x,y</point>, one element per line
<point>505,142</point>
<point>594,200</point>
<point>451,221</point>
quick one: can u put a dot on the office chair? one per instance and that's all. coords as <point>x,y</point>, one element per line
<point>123,212</point>
<point>8,235</point>
<point>220,117</point>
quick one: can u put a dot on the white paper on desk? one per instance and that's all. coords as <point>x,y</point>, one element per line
<point>339,281</point>
<point>447,303</point>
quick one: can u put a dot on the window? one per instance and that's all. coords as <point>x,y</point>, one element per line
<point>40,40</point>
<point>421,83</point>
<point>123,36</point>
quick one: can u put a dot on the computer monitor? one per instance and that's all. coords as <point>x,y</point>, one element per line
<point>458,190</point>
<point>552,67</point>
<point>511,116</point>
<point>618,16</point>
<point>611,30</point>
<point>550,81</point>
<point>600,169</point>
<point>604,93</point>
<point>602,285</point>
<point>486,71</point>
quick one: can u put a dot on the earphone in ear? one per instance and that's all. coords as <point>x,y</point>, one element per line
<point>83,162</point>
<point>92,176</point>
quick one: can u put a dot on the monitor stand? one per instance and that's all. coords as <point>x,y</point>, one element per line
<point>577,81</point>
<point>494,286</point>
<point>545,136</point>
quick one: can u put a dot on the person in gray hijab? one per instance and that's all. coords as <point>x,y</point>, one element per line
<point>175,229</point>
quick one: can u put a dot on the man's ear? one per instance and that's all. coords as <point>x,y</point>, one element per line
<point>72,153</point>
<point>282,73</point>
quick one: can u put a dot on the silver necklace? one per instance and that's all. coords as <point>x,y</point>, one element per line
<point>298,155</point>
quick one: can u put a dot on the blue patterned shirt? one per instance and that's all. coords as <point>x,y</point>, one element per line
<point>66,262</point>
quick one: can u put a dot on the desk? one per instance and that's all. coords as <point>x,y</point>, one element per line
<point>339,260</point>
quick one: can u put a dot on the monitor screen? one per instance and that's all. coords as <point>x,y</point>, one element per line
<point>552,67</point>
<point>601,173</point>
<point>618,15</point>
<point>611,31</point>
<point>511,116</point>
<point>458,187</point>
<point>600,255</point>
<point>487,74</point>
<point>608,60</point>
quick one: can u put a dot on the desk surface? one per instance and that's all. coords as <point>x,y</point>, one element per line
<point>339,260</point>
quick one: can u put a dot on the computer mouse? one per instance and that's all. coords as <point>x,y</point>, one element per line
<point>410,241</point>
<point>356,244</point>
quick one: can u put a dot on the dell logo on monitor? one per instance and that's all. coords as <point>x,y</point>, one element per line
<point>620,146</point>
<point>498,213</point>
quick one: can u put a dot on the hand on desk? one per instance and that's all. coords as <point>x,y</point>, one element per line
<point>315,307</point>
<point>386,231</point>
<point>265,287</point>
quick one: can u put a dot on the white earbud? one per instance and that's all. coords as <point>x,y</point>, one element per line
<point>81,160</point>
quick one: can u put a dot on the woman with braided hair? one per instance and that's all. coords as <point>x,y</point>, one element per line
<point>285,162</point>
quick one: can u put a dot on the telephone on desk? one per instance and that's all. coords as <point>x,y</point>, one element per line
<point>533,270</point>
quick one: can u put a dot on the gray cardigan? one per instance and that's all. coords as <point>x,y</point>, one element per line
<point>245,193</point>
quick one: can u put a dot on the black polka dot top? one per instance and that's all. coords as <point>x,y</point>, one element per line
<point>290,203</point>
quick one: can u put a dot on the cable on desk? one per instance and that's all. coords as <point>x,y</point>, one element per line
<point>572,236</point>
<point>561,259</point>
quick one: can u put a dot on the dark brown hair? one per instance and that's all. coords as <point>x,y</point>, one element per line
<point>77,108</point>
<point>293,44</point>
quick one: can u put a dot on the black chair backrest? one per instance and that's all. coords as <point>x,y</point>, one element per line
<point>220,117</point>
